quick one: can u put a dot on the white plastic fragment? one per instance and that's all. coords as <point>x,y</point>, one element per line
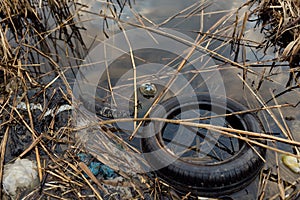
<point>292,163</point>
<point>60,109</point>
<point>33,106</point>
<point>64,108</point>
<point>21,174</point>
<point>23,106</point>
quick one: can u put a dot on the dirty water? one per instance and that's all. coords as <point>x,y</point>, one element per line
<point>157,12</point>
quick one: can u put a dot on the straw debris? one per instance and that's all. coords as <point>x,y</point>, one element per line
<point>280,20</point>
<point>42,46</point>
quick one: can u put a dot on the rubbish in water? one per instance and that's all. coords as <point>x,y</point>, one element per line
<point>148,90</point>
<point>84,157</point>
<point>211,173</point>
<point>97,167</point>
<point>107,172</point>
<point>21,174</point>
<point>292,163</point>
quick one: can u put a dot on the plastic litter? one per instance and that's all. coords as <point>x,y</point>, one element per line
<point>96,167</point>
<point>21,174</point>
<point>292,163</point>
<point>107,172</point>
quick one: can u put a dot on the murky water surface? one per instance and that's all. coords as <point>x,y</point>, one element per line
<point>151,63</point>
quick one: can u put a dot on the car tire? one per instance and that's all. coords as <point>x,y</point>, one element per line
<point>204,179</point>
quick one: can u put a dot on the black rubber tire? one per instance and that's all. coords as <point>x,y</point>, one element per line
<point>212,179</point>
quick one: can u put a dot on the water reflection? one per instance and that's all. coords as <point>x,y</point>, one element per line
<point>188,16</point>
<point>191,22</point>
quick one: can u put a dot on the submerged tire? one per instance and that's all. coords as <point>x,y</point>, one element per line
<point>203,177</point>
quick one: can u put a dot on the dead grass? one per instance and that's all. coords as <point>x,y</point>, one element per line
<point>280,23</point>
<point>39,39</point>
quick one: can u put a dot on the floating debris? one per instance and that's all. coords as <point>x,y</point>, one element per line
<point>21,175</point>
<point>97,167</point>
<point>148,90</point>
<point>38,106</point>
<point>292,163</point>
<point>84,157</point>
<point>107,172</point>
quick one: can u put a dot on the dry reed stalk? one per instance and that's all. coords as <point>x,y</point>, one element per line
<point>281,24</point>
<point>25,39</point>
<point>60,172</point>
<point>223,130</point>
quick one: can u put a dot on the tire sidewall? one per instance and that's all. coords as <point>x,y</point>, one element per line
<point>227,176</point>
